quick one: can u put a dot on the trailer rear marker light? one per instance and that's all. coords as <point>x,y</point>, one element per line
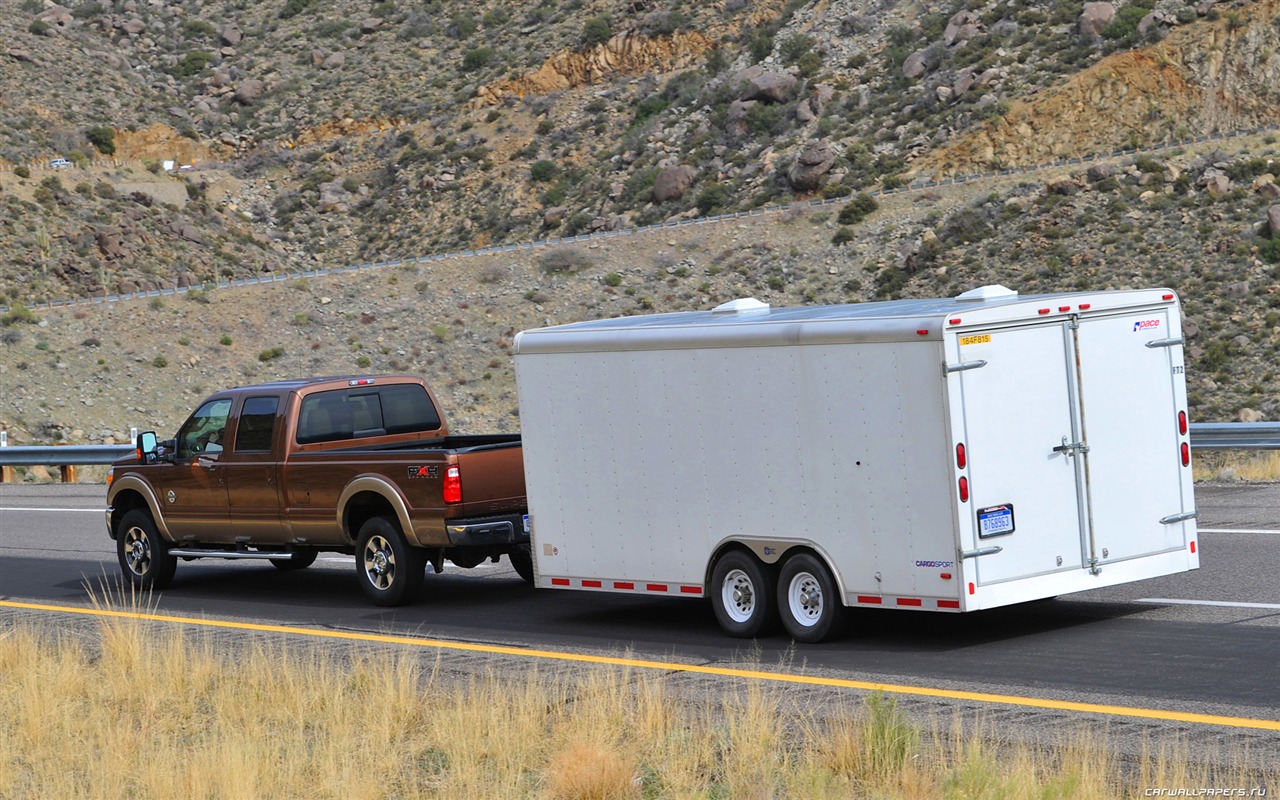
<point>948,604</point>
<point>1193,547</point>
<point>946,576</point>
<point>1064,308</point>
<point>669,667</point>
<point>1086,306</point>
<point>971,588</point>
<point>869,600</point>
<point>1044,311</point>
<point>923,331</point>
<point>624,585</point>
<point>1167,297</point>
<point>586,584</point>
<point>964,490</point>
<point>559,581</point>
<point>1186,454</point>
<point>656,587</point>
<point>955,321</point>
<point>960,456</point>
<point>1182,423</point>
<point>910,601</point>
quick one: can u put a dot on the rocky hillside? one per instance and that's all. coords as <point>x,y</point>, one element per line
<point>327,132</point>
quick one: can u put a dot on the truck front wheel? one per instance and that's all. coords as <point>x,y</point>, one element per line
<point>742,595</point>
<point>390,571</point>
<point>808,598</point>
<point>143,553</point>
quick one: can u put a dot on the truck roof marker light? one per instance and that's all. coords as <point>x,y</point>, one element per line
<point>964,489</point>
<point>452,489</point>
<point>1182,423</point>
<point>1186,454</point>
<point>962,460</point>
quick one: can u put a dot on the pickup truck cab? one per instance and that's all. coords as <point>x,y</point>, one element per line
<point>283,471</point>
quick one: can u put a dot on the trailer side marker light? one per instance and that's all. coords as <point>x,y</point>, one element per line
<point>1044,311</point>
<point>592,584</point>
<point>559,581</point>
<point>690,590</point>
<point>869,600</point>
<point>1186,454</point>
<point>1182,423</point>
<point>923,331</point>
<point>961,460</point>
<point>955,321</point>
<point>1168,297</point>
<point>946,576</point>
<point>1085,306</point>
<point>1064,308</point>
<point>971,588</point>
<point>964,489</point>
<point>948,604</point>
<point>909,601</point>
<point>624,585</point>
<point>656,587</point>
<point>1193,547</point>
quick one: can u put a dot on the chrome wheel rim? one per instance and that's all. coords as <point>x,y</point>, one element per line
<point>738,596</point>
<point>804,597</point>
<point>379,563</point>
<point>137,550</point>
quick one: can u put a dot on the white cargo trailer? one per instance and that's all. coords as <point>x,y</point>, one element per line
<point>943,455</point>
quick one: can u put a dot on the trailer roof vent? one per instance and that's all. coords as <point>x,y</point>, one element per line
<point>743,305</point>
<point>984,293</point>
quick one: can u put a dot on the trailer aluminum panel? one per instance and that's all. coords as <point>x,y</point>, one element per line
<point>949,454</point>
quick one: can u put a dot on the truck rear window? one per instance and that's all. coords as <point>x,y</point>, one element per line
<point>366,411</point>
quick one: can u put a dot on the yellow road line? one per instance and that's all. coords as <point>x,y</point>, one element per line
<point>775,677</point>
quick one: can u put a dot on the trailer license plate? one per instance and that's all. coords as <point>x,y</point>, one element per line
<point>995,520</point>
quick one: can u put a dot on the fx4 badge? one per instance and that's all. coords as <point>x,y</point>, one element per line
<point>432,473</point>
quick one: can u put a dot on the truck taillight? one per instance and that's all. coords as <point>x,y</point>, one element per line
<point>453,485</point>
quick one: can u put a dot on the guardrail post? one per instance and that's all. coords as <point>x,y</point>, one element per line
<point>68,472</point>
<point>6,473</point>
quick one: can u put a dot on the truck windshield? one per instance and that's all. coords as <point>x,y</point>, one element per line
<point>366,411</point>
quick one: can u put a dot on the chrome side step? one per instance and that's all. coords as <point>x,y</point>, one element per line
<point>188,552</point>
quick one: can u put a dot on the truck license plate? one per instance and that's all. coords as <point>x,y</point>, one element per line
<point>995,520</point>
<point>526,523</point>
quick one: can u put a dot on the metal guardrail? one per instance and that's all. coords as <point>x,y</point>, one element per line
<point>1235,435</point>
<point>65,454</point>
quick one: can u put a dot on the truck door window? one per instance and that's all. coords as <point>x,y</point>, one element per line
<point>257,425</point>
<point>325,417</point>
<point>205,431</point>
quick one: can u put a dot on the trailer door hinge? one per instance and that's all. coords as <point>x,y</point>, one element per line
<point>1071,448</point>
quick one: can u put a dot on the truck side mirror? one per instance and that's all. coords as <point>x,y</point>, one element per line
<point>147,444</point>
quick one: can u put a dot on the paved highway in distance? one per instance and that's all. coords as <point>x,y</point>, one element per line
<point>1206,642</point>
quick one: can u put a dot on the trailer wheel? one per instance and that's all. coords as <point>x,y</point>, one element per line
<point>521,558</point>
<point>808,598</point>
<point>142,552</point>
<point>742,595</point>
<point>389,569</point>
<point>302,558</point>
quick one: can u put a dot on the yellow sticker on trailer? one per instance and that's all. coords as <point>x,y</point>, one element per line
<point>982,338</point>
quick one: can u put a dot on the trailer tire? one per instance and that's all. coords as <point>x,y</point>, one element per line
<point>302,558</point>
<point>521,558</point>
<point>742,595</point>
<point>808,599</point>
<point>142,551</point>
<point>389,569</point>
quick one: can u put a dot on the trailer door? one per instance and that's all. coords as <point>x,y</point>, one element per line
<point>1019,422</point>
<point>1129,405</point>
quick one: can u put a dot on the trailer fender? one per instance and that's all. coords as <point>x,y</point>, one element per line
<point>384,489</point>
<point>773,552</point>
<point>133,484</point>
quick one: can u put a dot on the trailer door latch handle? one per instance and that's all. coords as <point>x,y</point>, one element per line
<point>984,551</point>
<point>1071,448</point>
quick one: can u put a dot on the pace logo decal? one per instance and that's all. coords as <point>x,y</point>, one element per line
<point>1145,325</point>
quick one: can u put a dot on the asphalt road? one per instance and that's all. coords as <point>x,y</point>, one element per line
<point>1202,642</point>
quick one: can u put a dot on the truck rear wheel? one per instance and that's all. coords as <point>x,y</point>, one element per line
<point>143,553</point>
<point>807,598</point>
<point>390,571</point>
<point>521,558</point>
<point>303,557</point>
<point>742,595</point>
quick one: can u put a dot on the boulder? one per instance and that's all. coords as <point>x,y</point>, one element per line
<point>1094,18</point>
<point>736,119</point>
<point>673,182</point>
<point>1273,220</point>
<point>111,244</point>
<point>770,87</point>
<point>553,216</point>
<point>963,26</point>
<point>1215,182</point>
<point>57,17</point>
<point>1100,172</point>
<point>369,25</point>
<point>134,27</point>
<point>914,66</point>
<point>231,35</point>
<point>814,162</point>
<point>804,114</point>
<point>250,91</point>
<point>821,98</point>
<point>334,61</point>
<point>333,198</point>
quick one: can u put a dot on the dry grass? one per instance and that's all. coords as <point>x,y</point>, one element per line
<point>136,709</point>
<point>1238,465</point>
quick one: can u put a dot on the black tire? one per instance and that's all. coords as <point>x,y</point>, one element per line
<point>742,595</point>
<point>389,570</point>
<point>521,557</point>
<point>143,553</point>
<point>303,557</point>
<point>808,600</point>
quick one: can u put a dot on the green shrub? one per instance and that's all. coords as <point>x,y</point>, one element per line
<point>596,30</point>
<point>293,8</point>
<point>160,362</point>
<point>38,27</point>
<point>843,235</point>
<point>613,279</point>
<point>363,362</point>
<point>22,171</point>
<point>225,341</point>
<point>712,198</point>
<point>102,137</point>
<point>544,171</point>
<point>271,354</point>
<point>193,28</point>
<point>857,209</point>
<point>193,63</point>
<point>477,58</point>
<point>18,314</point>
<point>1270,250</point>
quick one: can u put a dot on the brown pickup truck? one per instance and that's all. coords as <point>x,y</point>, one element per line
<point>283,471</point>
